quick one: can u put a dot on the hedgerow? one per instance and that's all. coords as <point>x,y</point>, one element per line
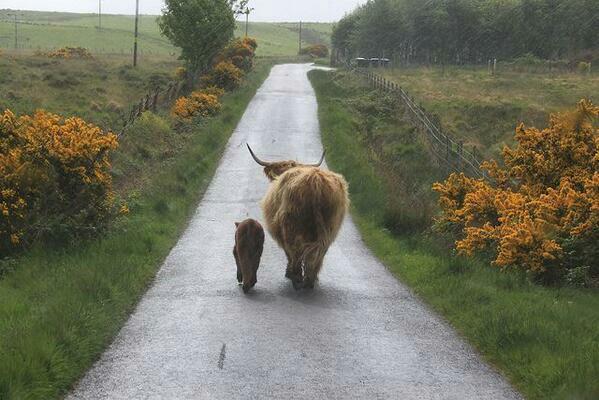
<point>56,180</point>
<point>540,212</point>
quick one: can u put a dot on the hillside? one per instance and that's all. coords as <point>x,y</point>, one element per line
<point>484,110</point>
<point>49,30</point>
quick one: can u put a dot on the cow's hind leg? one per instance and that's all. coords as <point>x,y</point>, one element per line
<point>294,271</point>
<point>314,259</point>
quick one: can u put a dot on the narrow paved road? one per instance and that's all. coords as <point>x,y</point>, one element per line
<point>359,335</point>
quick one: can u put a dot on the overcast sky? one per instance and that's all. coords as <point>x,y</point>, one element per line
<point>265,10</point>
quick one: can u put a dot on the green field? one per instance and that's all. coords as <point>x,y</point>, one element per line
<point>544,339</point>
<point>484,110</point>
<point>45,31</point>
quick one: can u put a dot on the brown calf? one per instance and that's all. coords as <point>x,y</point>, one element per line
<point>249,242</point>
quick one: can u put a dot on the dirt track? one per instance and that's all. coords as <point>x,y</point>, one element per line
<point>360,334</point>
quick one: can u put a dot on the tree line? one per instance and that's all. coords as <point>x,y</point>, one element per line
<point>469,31</point>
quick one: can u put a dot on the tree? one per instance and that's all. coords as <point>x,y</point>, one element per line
<point>201,28</point>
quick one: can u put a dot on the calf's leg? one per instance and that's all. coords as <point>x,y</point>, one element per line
<point>239,274</point>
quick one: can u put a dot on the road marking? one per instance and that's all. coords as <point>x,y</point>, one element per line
<point>222,356</point>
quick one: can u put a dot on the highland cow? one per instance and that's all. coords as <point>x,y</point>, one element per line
<point>304,208</point>
<point>249,242</point>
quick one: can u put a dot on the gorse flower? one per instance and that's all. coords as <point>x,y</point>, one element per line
<point>71,52</point>
<point>541,211</point>
<point>224,75</point>
<point>55,172</point>
<point>198,104</point>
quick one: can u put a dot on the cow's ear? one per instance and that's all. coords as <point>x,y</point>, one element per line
<point>236,224</point>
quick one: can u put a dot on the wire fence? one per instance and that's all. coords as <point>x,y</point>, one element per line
<point>448,151</point>
<point>160,96</point>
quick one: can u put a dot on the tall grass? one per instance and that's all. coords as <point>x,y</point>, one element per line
<point>59,309</point>
<point>545,340</point>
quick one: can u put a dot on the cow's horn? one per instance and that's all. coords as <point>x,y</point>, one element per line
<point>321,160</point>
<point>259,161</point>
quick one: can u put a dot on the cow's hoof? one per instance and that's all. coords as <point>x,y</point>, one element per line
<point>297,284</point>
<point>308,284</point>
<point>291,275</point>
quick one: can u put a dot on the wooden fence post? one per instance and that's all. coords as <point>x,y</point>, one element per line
<point>461,155</point>
<point>155,100</point>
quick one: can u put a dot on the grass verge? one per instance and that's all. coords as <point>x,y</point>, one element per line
<point>59,309</point>
<point>544,339</point>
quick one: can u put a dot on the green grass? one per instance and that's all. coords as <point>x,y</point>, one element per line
<point>60,308</point>
<point>97,90</point>
<point>46,30</point>
<point>484,110</point>
<point>543,339</point>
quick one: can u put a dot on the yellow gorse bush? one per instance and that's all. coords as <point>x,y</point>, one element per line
<point>198,104</point>
<point>540,212</point>
<point>71,52</point>
<point>224,75</point>
<point>55,177</point>
<point>240,52</point>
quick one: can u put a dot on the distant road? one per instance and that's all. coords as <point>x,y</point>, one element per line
<point>360,334</point>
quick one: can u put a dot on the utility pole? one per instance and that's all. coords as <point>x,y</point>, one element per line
<point>16,29</point>
<point>300,38</point>
<point>16,15</point>
<point>247,17</point>
<point>136,32</point>
<point>100,14</point>
<point>16,34</point>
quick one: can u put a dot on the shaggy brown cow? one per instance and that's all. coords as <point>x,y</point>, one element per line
<point>249,242</point>
<point>304,208</point>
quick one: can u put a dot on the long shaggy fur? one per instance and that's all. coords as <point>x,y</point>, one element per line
<point>304,208</point>
<point>249,243</point>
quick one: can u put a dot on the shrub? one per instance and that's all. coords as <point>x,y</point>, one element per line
<point>71,52</point>
<point>224,75</point>
<point>214,91</point>
<point>55,178</point>
<point>541,211</point>
<point>198,104</point>
<point>251,42</point>
<point>583,67</point>
<point>316,51</point>
<point>240,52</point>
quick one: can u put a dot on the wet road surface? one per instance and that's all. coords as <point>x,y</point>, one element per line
<point>360,334</point>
